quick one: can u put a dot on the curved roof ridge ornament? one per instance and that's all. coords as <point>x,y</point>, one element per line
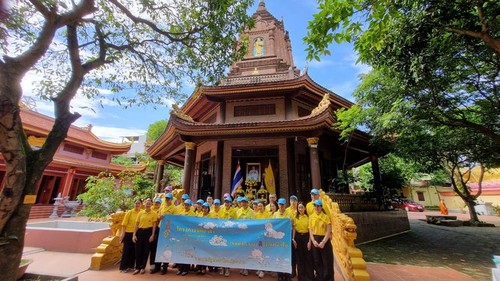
<point>324,103</point>
<point>178,112</point>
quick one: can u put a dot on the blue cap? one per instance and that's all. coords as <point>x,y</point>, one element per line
<point>228,199</point>
<point>315,191</point>
<point>216,201</point>
<point>185,196</point>
<point>158,200</point>
<point>293,197</point>
<point>200,201</point>
<point>169,196</point>
<point>318,202</point>
<point>282,201</point>
<point>244,199</point>
<point>256,201</point>
<point>188,201</point>
<point>238,199</point>
<point>206,205</point>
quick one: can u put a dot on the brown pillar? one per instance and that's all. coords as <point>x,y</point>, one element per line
<point>159,176</point>
<point>218,170</point>
<point>66,191</point>
<point>188,166</point>
<point>314,162</point>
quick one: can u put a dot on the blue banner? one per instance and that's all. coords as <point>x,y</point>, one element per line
<point>263,244</point>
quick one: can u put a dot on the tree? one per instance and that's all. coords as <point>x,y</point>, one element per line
<point>445,55</point>
<point>147,47</point>
<point>156,129</point>
<point>432,95</point>
<point>105,194</point>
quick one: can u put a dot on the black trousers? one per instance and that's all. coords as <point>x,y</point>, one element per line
<point>305,269</point>
<point>323,260</point>
<point>128,252</point>
<point>142,247</point>
<point>152,250</point>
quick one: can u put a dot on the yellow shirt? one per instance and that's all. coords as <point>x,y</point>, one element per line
<point>310,208</point>
<point>318,223</point>
<point>172,209</point>
<point>229,213</point>
<point>279,215</point>
<point>292,211</point>
<point>129,220</point>
<point>262,215</point>
<point>188,213</point>
<point>245,213</point>
<point>146,219</point>
<point>301,223</point>
<point>216,214</point>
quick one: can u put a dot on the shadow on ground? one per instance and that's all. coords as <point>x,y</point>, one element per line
<point>466,249</point>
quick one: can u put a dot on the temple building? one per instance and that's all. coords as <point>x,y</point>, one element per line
<point>81,155</point>
<point>266,120</point>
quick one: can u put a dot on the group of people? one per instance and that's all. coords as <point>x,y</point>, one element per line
<point>312,255</point>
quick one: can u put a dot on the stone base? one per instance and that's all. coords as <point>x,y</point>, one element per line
<point>41,277</point>
<point>452,223</point>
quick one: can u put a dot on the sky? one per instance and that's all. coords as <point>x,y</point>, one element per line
<point>338,72</point>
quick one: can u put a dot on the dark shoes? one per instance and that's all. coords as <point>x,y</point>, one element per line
<point>163,271</point>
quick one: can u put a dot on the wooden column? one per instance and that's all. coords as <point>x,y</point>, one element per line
<point>188,166</point>
<point>314,162</point>
<point>218,172</point>
<point>159,175</point>
<point>66,191</point>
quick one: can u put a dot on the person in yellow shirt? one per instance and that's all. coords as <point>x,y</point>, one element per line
<point>292,209</point>
<point>282,213</point>
<point>167,207</point>
<point>310,205</point>
<point>261,211</point>
<point>144,234</point>
<point>180,207</point>
<point>229,212</point>
<point>320,233</point>
<point>216,209</point>
<point>153,265</point>
<point>302,244</point>
<point>128,226</point>
<point>245,212</point>
<point>272,199</point>
<point>187,211</point>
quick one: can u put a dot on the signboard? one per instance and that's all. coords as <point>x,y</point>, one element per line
<point>247,244</point>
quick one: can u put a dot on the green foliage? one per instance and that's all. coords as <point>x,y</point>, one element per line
<point>156,129</point>
<point>122,160</point>
<point>105,193</point>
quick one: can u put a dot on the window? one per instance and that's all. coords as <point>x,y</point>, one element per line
<point>73,149</point>
<point>420,196</point>
<point>99,155</point>
<point>254,110</point>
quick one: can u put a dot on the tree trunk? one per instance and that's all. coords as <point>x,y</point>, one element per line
<point>12,252</point>
<point>472,211</point>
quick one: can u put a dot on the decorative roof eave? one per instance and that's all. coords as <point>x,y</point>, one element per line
<point>320,119</point>
<point>304,81</point>
<point>41,124</point>
<point>94,166</point>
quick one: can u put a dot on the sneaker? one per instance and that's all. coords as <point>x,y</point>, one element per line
<point>163,271</point>
<point>143,271</point>
<point>261,274</point>
<point>221,271</point>
<point>244,272</point>
<point>226,272</point>
<point>184,273</point>
<point>136,272</point>
<point>124,270</point>
<point>178,272</point>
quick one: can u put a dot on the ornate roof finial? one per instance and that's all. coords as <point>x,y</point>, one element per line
<point>262,5</point>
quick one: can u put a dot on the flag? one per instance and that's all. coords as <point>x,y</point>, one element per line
<point>237,179</point>
<point>269,179</point>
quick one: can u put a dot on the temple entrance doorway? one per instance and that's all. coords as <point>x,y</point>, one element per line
<point>254,164</point>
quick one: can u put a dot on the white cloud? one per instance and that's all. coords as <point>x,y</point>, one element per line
<point>114,134</point>
<point>218,241</point>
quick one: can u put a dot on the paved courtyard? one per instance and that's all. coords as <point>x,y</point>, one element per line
<point>466,249</point>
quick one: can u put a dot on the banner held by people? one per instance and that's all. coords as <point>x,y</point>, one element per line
<point>250,244</point>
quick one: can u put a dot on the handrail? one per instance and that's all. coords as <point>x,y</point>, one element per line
<point>349,258</point>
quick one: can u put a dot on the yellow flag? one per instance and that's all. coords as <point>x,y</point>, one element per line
<point>269,179</point>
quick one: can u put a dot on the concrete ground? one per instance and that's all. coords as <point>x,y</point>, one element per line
<point>427,252</point>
